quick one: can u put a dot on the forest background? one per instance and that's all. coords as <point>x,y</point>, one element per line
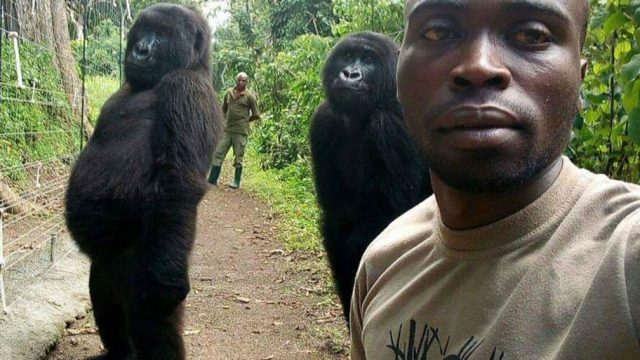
<point>282,44</point>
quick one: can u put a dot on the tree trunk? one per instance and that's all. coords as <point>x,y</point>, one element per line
<point>66,63</point>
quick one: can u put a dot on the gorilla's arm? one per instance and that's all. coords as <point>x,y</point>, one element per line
<point>184,134</point>
<point>405,180</point>
<point>324,136</point>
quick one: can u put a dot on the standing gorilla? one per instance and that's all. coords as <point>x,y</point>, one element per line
<point>133,194</point>
<point>366,168</point>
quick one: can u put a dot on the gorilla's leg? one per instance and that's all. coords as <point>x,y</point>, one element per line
<point>335,233</point>
<point>342,272</point>
<point>161,282</point>
<point>108,312</point>
<point>157,334</point>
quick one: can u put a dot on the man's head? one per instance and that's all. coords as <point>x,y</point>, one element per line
<point>241,81</point>
<point>489,88</point>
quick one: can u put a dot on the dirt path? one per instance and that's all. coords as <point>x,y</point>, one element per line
<point>249,298</point>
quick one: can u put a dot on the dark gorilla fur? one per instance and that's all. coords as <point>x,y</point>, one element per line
<point>134,191</point>
<point>367,171</point>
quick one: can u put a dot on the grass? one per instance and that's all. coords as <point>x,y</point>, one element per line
<point>289,193</point>
<point>99,89</point>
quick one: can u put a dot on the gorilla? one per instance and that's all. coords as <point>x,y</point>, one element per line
<point>133,193</point>
<point>366,169</point>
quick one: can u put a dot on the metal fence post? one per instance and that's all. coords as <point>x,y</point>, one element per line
<point>3,298</point>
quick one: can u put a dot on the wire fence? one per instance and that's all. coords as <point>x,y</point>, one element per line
<point>42,128</point>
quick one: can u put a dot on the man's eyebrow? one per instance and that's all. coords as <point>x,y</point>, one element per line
<point>421,6</point>
<point>548,8</point>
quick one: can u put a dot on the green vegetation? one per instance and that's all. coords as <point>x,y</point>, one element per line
<point>36,121</point>
<point>99,88</point>
<point>608,132</point>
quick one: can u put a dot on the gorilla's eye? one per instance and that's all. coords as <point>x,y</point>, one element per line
<point>348,56</point>
<point>367,59</point>
<point>440,33</point>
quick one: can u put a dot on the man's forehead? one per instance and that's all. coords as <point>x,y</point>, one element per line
<point>575,7</point>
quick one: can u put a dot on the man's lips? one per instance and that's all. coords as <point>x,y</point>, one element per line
<point>469,117</point>
<point>476,127</point>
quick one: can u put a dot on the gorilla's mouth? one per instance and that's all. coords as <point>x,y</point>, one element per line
<point>138,67</point>
<point>352,89</point>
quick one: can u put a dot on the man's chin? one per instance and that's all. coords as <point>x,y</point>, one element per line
<point>487,177</point>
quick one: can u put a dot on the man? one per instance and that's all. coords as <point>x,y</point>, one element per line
<point>520,254</point>
<point>240,107</point>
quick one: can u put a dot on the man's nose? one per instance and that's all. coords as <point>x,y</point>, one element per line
<point>481,65</point>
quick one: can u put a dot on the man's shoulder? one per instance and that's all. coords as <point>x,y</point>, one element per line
<point>250,94</point>
<point>609,196</point>
<point>403,234</point>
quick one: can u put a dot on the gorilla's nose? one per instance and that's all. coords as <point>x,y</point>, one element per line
<point>351,74</point>
<point>142,50</point>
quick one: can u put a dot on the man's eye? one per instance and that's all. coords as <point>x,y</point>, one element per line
<point>531,37</point>
<point>439,34</point>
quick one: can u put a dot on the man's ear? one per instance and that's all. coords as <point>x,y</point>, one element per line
<point>584,66</point>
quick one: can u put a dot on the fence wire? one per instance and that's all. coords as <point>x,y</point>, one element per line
<point>41,129</point>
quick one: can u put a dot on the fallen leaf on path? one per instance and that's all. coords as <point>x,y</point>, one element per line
<point>191,332</point>
<point>276,251</point>
<point>83,331</point>
<point>243,300</point>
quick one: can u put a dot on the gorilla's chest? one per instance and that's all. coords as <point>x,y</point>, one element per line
<point>358,160</point>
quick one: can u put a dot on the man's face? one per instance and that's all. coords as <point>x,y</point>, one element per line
<point>241,82</point>
<point>489,88</point>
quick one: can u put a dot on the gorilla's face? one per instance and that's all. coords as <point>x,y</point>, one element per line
<point>360,72</point>
<point>164,38</point>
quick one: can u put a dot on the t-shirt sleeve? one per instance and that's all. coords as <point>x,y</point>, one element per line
<point>632,273</point>
<point>355,315</point>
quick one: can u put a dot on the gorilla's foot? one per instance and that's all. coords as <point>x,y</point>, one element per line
<point>111,356</point>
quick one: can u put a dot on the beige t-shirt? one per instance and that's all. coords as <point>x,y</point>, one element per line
<point>560,279</point>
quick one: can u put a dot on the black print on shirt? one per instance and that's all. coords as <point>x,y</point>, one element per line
<point>418,349</point>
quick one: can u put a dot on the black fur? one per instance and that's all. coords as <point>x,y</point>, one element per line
<point>134,191</point>
<point>367,170</point>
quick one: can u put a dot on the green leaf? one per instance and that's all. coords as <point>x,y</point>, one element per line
<point>614,22</point>
<point>631,70</point>
<point>631,96</point>
<point>634,125</point>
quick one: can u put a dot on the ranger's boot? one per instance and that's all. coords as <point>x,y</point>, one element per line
<point>236,180</point>
<point>214,174</point>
